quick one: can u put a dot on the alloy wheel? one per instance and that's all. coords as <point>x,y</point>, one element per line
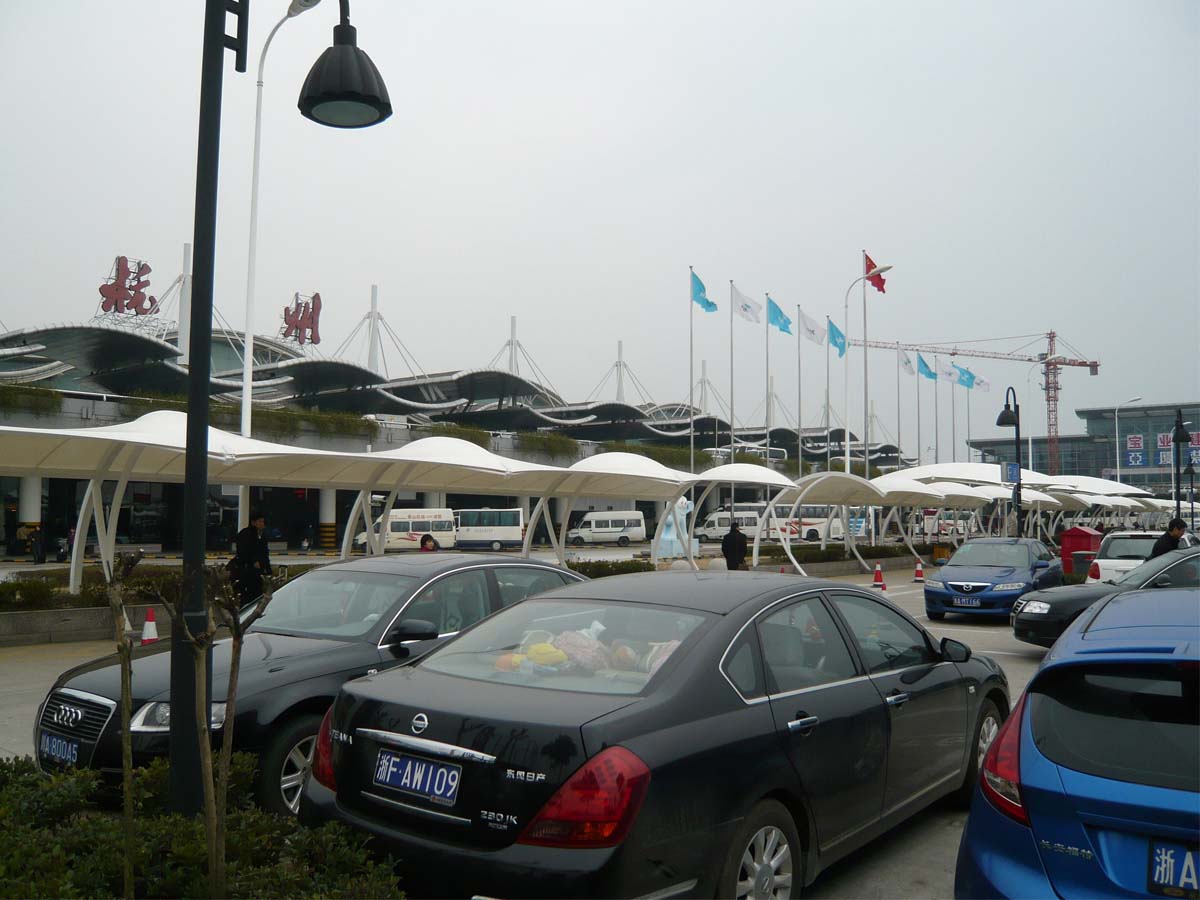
<point>295,768</point>
<point>987,733</point>
<point>766,867</point>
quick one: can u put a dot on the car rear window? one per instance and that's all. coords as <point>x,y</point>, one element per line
<point>1129,722</point>
<point>1127,547</point>
<point>587,646</point>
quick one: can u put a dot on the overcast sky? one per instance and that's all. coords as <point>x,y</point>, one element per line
<point>1025,166</point>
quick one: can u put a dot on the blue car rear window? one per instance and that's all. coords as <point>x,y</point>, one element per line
<point>1133,722</point>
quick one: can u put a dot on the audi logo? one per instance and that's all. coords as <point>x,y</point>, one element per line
<point>419,723</point>
<point>67,716</point>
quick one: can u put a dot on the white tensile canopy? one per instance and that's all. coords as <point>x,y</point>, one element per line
<point>1086,484</point>
<point>901,491</point>
<point>965,496</point>
<point>970,473</point>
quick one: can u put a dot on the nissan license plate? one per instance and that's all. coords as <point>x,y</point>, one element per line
<point>1173,870</point>
<point>966,601</point>
<point>437,782</point>
<point>58,749</point>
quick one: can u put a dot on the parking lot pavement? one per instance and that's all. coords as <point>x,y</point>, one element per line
<point>26,674</point>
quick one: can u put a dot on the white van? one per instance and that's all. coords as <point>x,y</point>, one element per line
<point>716,526</point>
<point>406,527</point>
<point>618,526</point>
<point>493,529</point>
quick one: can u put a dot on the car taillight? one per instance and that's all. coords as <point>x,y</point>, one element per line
<point>322,764</point>
<point>1000,777</point>
<point>595,807</point>
<point>1094,571</point>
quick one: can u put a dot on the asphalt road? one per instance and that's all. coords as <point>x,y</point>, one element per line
<point>915,859</point>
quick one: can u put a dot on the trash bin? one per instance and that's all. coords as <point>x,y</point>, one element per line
<point>1078,538</point>
<point>941,553</point>
<point>1081,560</point>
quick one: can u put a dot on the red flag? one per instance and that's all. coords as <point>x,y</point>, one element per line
<point>876,281</point>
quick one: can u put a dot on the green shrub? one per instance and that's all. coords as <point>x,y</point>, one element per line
<point>269,422</point>
<point>554,445</point>
<point>462,432</point>
<point>1074,577</point>
<point>25,593</point>
<point>672,457</point>
<point>151,783</point>
<point>39,401</point>
<point>602,568</point>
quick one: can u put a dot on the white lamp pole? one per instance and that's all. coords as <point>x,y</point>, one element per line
<point>1117,437</point>
<point>878,270</point>
<point>294,9</point>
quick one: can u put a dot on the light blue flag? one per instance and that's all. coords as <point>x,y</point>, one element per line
<point>699,297</point>
<point>776,317</point>
<point>836,337</point>
<point>923,368</point>
<point>966,378</point>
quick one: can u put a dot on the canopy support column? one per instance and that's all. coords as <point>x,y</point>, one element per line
<point>87,510</point>
<point>527,541</point>
<point>352,523</point>
<point>850,539</point>
<point>787,545</point>
<point>560,550</point>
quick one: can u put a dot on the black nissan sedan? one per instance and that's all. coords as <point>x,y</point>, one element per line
<point>1041,616</point>
<point>337,622</point>
<point>662,734</point>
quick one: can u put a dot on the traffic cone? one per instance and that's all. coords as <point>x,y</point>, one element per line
<point>919,573</point>
<point>878,582</point>
<point>149,629</point>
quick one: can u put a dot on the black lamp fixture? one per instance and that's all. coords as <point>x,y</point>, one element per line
<point>343,88</point>
<point>1179,437</point>
<point>1190,472</point>
<point>1010,417</point>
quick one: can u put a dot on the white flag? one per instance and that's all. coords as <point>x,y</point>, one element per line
<point>907,363</point>
<point>946,371</point>
<point>982,384</point>
<point>750,310</point>
<point>811,330</point>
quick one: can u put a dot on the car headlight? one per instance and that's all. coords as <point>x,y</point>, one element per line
<point>1035,608</point>
<point>156,717</point>
<point>1009,586</point>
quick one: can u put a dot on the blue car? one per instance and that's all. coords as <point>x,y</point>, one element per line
<point>1091,788</point>
<point>986,576</point>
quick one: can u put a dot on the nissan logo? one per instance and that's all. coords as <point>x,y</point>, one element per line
<point>68,716</point>
<point>419,723</point>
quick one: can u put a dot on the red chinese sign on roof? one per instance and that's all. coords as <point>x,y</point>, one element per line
<point>302,320</point>
<point>125,291</point>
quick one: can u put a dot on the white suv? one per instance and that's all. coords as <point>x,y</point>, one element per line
<point>1121,552</point>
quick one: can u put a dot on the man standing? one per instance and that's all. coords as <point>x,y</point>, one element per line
<point>1169,539</point>
<point>733,547</point>
<point>253,559</point>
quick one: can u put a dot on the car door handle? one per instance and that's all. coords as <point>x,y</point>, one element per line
<point>804,725</point>
<point>897,699</point>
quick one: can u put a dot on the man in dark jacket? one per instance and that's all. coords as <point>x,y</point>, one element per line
<point>1169,539</point>
<point>252,561</point>
<point>733,548</point>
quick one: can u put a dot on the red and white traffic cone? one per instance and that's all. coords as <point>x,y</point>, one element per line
<point>149,629</point>
<point>878,582</point>
<point>919,573</point>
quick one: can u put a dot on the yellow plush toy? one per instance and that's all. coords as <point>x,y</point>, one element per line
<point>546,655</point>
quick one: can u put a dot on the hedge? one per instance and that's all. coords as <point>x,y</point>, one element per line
<point>554,445</point>
<point>673,457</point>
<point>282,424</point>
<point>462,432</point>
<point>39,401</point>
<point>602,568</point>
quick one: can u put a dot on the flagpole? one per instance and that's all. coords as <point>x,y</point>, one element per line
<point>799,400</point>
<point>918,380</point>
<point>937,419</point>
<point>767,383</point>
<point>732,420</point>
<point>691,375</point>
<point>846,382</point>
<point>897,404</point>
<point>969,422</point>
<point>828,443</point>
<point>866,383</point>
<point>953,424</point>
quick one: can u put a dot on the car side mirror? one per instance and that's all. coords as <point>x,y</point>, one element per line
<point>1163,580</point>
<point>1041,563</point>
<point>412,630</point>
<point>955,651</point>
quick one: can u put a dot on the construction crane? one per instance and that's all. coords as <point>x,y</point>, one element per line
<point>1050,361</point>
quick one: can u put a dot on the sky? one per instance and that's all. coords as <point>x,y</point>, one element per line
<point>1025,166</point>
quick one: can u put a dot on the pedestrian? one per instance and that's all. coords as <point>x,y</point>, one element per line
<point>733,548</point>
<point>252,562</point>
<point>22,538</point>
<point>428,544</point>
<point>1169,539</point>
<point>37,545</point>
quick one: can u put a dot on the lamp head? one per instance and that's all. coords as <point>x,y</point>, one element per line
<point>298,6</point>
<point>343,88</point>
<point>1007,418</point>
<point>878,270</point>
<point>1179,433</point>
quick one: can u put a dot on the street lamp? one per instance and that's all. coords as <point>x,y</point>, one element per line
<point>296,7</point>
<point>1190,472</point>
<point>343,88</point>
<point>1010,417</point>
<point>1117,421</point>
<point>1179,437</point>
<point>878,270</point>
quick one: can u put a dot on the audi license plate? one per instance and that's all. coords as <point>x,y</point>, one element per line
<point>1173,870</point>
<point>58,749</point>
<point>437,782</point>
<point>966,601</point>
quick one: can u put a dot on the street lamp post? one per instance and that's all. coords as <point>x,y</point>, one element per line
<point>296,7</point>
<point>1179,437</point>
<point>1010,417</point>
<point>1190,472</point>
<point>878,270</point>
<point>1117,437</point>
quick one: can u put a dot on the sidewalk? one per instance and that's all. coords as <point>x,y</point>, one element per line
<point>26,674</point>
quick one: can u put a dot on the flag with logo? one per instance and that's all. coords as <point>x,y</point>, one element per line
<point>776,317</point>
<point>924,370</point>
<point>876,281</point>
<point>836,337</point>
<point>947,371</point>
<point>699,296</point>
<point>966,378</point>
<point>810,329</point>
<point>748,309</point>
<point>907,363</point>
<point>982,384</point>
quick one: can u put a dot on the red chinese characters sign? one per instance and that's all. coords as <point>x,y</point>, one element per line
<point>126,291</point>
<point>302,321</point>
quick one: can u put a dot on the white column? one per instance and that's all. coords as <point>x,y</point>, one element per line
<point>432,500</point>
<point>184,325</point>
<point>327,518</point>
<point>373,332</point>
<point>29,502</point>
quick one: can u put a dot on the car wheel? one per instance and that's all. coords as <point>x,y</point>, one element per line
<point>812,535</point>
<point>622,541</point>
<point>935,616</point>
<point>284,764</point>
<point>577,542</point>
<point>764,858</point>
<point>497,546</point>
<point>986,727</point>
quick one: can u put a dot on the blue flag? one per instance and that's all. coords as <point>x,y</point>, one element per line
<point>836,338</point>
<point>966,378</point>
<point>699,297</point>
<point>776,317</point>
<point>923,368</point>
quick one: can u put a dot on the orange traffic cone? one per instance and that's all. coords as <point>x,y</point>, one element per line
<point>149,629</point>
<point>878,582</point>
<point>919,573</point>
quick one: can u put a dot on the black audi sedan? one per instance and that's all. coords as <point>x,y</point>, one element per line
<point>331,624</point>
<point>663,734</point>
<point>1041,616</point>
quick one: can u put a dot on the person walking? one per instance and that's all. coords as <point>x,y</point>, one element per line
<point>733,547</point>
<point>252,561</point>
<point>37,545</point>
<point>1169,539</point>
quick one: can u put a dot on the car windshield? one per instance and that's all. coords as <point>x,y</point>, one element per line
<point>1138,575</point>
<point>333,603</point>
<point>1128,547</point>
<point>977,553</point>
<point>586,646</point>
